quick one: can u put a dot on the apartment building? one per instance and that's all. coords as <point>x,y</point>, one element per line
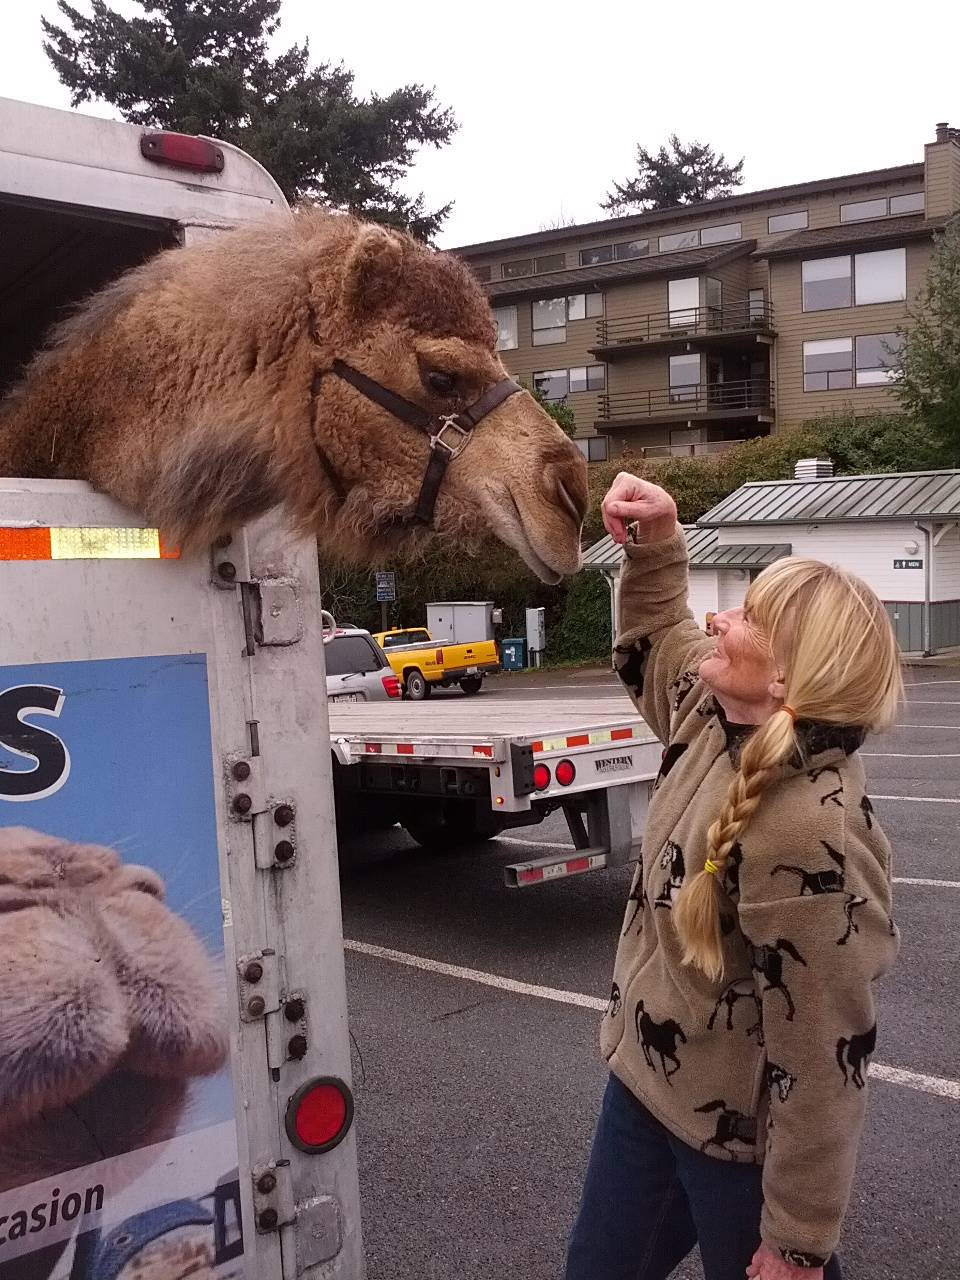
<point>687,329</point>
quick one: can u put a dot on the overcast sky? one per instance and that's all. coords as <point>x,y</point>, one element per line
<point>553,97</point>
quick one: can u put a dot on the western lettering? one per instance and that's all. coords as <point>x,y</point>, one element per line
<point>18,1225</point>
<point>50,756</point>
<point>93,1200</point>
<point>54,1206</point>
<point>39,1217</point>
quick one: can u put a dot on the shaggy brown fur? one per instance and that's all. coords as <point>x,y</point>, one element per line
<point>112,1007</point>
<point>186,390</point>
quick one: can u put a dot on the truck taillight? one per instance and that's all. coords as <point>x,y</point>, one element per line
<point>392,686</point>
<point>319,1114</point>
<point>541,777</point>
<point>565,772</point>
<point>182,151</point>
<point>438,657</point>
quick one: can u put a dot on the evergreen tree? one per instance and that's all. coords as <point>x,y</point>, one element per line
<point>203,66</point>
<point>682,175</point>
<point>928,364</point>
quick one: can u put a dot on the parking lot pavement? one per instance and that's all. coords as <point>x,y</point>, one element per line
<point>478,1084</point>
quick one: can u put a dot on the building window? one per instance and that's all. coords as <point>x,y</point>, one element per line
<point>549,321</point>
<point>795,221</point>
<point>876,357</point>
<point>622,252</point>
<point>880,276</point>
<point>482,272</point>
<point>722,234</point>
<point>863,210</point>
<point>828,364</point>
<point>505,318</point>
<point>826,283</point>
<point>551,315</point>
<point>756,305</point>
<point>684,378</point>
<point>593,448</point>
<point>910,203</point>
<point>519,267</point>
<point>713,292</point>
<point>882,206</point>
<point>591,377</point>
<point>552,262</point>
<point>679,240</point>
<point>553,384</point>
<point>683,299</point>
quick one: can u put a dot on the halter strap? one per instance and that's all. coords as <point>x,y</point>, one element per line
<point>449,433</point>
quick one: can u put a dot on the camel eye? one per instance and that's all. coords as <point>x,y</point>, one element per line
<point>441,383</point>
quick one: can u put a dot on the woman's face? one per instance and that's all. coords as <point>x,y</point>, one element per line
<point>742,671</point>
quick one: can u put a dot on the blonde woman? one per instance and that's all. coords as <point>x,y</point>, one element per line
<point>741,1017</point>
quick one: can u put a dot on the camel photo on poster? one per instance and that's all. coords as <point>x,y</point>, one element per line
<point>116,1104</point>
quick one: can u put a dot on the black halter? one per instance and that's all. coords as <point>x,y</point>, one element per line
<point>449,433</point>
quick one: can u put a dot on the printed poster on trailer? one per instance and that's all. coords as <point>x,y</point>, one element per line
<point>118,1154</point>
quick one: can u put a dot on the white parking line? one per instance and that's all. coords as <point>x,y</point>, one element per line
<point>925,684</point>
<point>938,884</point>
<point>539,844</point>
<point>954,728</point>
<point>931,702</point>
<point>910,755</point>
<point>937,1085</point>
<point>921,799</point>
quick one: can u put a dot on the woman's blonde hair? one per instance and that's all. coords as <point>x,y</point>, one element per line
<point>832,639</point>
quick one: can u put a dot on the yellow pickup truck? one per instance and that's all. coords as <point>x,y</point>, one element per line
<point>421,662</point>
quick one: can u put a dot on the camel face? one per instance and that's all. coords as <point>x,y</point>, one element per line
<point>115,1008</point>
<point>418,323</point>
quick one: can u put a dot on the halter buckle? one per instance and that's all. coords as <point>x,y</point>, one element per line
<point>450,423</point>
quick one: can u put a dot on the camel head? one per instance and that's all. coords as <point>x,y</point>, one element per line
<point>416,322</point>
<point>204,388</point>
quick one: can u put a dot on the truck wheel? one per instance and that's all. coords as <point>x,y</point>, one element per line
<point>471,684</point>
<point>416,686</point>
<point>446,826</point>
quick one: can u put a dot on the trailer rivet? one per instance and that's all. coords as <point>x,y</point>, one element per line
<point>253,972</point>
<point>268,1220</point>
<point>241,771</point>
<point>227,571</point>
<point>294,1010</point>
<point>256,1007</point>
<point>297,1047</point>
<point>283,815</point>
<point>266,1183</point>
<point>242,803</point>
<point>283,851</point>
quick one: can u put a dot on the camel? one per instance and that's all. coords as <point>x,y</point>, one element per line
<point>220,380</point>
<point>117,1007</point>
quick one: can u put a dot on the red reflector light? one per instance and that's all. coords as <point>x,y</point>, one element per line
<point>182,151</point>
<point>541,777</point>
<point>319,1114</point>
<point>392,686</point>
<point>565,772</point>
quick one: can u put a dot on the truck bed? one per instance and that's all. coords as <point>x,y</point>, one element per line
<point>493,716</point>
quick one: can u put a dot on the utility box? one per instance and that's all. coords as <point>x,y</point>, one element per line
<point>536,635</point>
<point>461,621</point>
<point>513,653</point>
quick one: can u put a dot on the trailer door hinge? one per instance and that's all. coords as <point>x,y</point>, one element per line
<point>259,987</point>
<point>246,795</point>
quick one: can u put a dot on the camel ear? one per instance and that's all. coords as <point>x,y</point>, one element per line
<point>373,270</point>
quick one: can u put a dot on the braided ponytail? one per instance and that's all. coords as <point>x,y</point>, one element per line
<point>696,912</point>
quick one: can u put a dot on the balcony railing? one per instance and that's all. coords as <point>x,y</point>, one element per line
<point>754,395</point>
<point>702,448</point>
<point>686,322</point>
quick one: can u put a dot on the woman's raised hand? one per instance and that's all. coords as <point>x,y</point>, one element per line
<point>632,500</point>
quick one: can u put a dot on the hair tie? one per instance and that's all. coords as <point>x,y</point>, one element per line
<point>790,712</point>
<point>711,868</point>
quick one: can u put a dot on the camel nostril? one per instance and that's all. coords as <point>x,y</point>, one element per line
<point>569,504</point>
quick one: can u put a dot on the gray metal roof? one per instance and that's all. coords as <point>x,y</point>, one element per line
<point>916,495</point>
<point>704,548</point>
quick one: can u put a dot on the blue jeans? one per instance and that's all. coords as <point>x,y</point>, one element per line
<point>649,1198</point>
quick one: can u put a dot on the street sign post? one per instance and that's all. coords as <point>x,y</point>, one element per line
<point>386,587</point>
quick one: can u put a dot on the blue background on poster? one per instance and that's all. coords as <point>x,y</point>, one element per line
<point>138,733</point>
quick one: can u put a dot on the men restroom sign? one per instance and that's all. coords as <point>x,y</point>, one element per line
<point>908,564</point>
